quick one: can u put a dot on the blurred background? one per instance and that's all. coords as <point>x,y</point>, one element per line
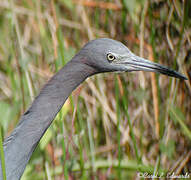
<point>114,126</point>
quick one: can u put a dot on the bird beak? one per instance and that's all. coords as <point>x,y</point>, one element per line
<point>136,63</point>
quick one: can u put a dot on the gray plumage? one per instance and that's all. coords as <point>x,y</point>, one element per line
<point>97,56</point>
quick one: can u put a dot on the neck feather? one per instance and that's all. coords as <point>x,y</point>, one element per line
<point>19,146</point>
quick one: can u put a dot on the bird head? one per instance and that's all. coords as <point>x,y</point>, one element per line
<point>107,55</point>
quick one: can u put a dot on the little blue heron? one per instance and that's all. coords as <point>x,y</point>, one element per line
<point>97,56</point>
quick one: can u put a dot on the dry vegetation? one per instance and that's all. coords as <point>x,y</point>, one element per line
<point>114,125</point>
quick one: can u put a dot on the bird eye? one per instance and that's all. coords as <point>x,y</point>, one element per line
<point>110,57</point>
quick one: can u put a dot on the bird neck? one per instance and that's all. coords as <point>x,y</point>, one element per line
<point>19,146</point>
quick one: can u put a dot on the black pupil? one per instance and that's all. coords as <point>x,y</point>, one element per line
<point>110,57</point>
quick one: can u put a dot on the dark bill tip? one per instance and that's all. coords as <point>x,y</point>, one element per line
<point>175,74</point>
<point>169,72</point>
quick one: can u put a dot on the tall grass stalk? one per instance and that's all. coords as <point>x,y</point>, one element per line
<point>2,156</point>
<point>92,147</point>
<point>118,126</point>
<point>64,149</point>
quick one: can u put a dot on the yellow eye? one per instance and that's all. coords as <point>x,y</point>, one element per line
<point>110,57</point>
